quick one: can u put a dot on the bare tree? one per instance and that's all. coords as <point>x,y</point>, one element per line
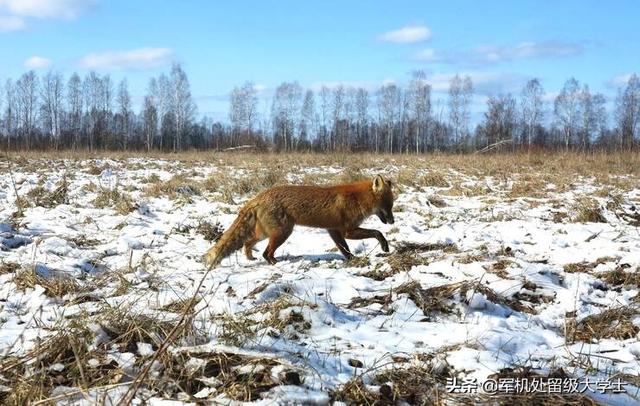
<point>307,123</point>
<point>587,125</point>
<point>325,95</point>
<point>567,111</point>
<point>362,114</point>
<point>600,117</point>
<point>388,108</point>
<point>243,109</point>
<point>10,111</point>
<point>182,105</point>
<point>628,112</point>
<point>499,120</point>
<point>27,92</point>
<point>150,121</point>
<point>337,111</point>
<point>467,98</point>
<point>420,106</point>
<point>285,111</point>
<point>74,102</point>
<point>51,94</point>
<point>532,108</point>
<point>165,111</point>
<point>125,114</point>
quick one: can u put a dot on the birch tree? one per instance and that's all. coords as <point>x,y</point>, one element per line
<point>567,111</point>
<point>74,103</point>
<point>532,109</point>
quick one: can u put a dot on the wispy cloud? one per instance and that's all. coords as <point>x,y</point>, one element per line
<point>141,58</point>
<point>498,54</point>
<point>406,35</point>
<point>11,23</point>
<point>67,9</point>
<point>484,83</point>
<point>37,62</point>
<point>619,81</point>
<point>431,55</point>
<point>526,50</point>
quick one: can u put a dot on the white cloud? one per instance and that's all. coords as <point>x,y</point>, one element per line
<point>495,54</point>
<point>11,23</point>
<point>67,9</point>
<point>484,83</point>
<point>619,81</point>
<point>407,35</point>
<point>141,58</point>
<point>317,86</point>
<point>426,55</point>
<point>37,62</point>
<point>526,50</point>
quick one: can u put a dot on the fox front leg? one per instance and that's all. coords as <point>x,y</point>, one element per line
<point>363,233</point>
<point>342,245</point>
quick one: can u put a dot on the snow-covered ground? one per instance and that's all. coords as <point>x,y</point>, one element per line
<point>479,279</point>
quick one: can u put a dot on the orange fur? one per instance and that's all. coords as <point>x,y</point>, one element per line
<point>274,212</point>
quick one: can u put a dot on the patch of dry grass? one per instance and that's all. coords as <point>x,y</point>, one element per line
<point>586,267</point>
<point>121,202</point>
<point>179,185</point>
<point>614,323</point>
<point>40,196</point>
<point>210,232</point>
<point>57,285</point>
<point>588,211</point>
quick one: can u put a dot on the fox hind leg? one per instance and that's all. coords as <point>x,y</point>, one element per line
<point>276,239</point>
<point>253,240</point>
<point>248,247</point>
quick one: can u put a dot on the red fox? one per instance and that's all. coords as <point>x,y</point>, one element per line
<point>339,209</point>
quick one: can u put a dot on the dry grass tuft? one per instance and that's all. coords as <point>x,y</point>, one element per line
<point>62,360</point>
<point>179,186</point>
<point>620,277</point>
<point>436,299</point>
<point>8,267</point>
<point>432,179</point>
<point>586,267</point>
<point>420,384</point>
<point>436,201</point>
<point>588,211</point>
<point>57,285</point>
<point>121,202</point>
<point>83,241</point>
<point>424,247</point>
<point>528,186</point>
<point>210,231</point>
<point>499,267</point>
<point>358,262</point>
<point>40,196</point>
<point>614,323</point>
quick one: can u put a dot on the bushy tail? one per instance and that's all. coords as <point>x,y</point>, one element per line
<point>234,238</point>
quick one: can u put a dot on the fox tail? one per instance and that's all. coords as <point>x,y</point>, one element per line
<point>234,238</point>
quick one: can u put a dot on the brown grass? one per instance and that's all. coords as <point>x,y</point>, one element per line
<point>588,211</point>
<point>40,196</point>
<point>611,323</point>
<point>121,202</point>
<point>57,285</point>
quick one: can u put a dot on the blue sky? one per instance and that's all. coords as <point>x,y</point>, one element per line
<point>500,44</point>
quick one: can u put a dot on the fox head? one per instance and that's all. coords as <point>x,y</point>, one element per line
<point>384,199</point>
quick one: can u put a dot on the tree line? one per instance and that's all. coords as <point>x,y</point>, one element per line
<point>95,114</point>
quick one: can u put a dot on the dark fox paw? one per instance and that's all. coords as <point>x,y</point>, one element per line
<point>384,245</point>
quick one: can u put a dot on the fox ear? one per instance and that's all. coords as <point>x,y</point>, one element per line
<point>378,184</point>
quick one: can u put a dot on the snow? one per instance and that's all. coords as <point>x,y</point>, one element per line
<point>157,252</point>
